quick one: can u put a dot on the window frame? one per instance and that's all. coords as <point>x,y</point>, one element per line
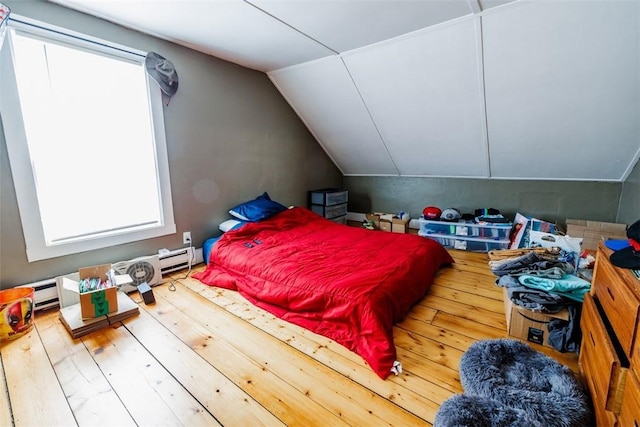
<point>20,161</point>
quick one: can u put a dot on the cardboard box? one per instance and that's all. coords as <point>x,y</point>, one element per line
<point>399,225</point>
<point>98,302</point>
<point>529,325</point>
<point>71,316</point>
<point>388,222</point>
<point>593,232</point>
<point>384,225</point>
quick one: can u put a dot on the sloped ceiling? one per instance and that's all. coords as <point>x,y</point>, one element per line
<point>449,88</point>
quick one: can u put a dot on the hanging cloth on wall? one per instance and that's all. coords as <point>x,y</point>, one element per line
<point>4,19</point>
<point>164,73</point>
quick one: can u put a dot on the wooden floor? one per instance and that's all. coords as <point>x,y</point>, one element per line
<point>204,356</point>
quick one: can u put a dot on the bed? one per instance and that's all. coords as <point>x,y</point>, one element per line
<point>346,283</point>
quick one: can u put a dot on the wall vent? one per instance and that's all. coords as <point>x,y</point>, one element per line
<point>45,295</point>
<point>179,259</point>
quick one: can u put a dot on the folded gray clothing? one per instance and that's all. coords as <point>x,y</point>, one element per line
<point>540,269</point>
<point>550,273</point>
<point>507,282</point>
<point>537,300</point>
<point>503,266</point>
<point>532,264</point>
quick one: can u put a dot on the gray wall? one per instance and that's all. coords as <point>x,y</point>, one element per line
<point>230,136</point>
<point>549,200</point>
<point>629,211</point>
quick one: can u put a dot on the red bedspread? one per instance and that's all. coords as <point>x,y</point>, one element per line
<point>346,283</point>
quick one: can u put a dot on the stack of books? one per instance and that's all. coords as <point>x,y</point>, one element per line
<point>77,326</point>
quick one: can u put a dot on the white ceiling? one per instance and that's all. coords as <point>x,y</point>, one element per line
<point>467,88</point>
<point>270,34</point>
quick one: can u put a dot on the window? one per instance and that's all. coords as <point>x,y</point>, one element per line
<point>85,136</point>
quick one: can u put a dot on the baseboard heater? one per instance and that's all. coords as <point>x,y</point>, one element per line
<point>46,292</point>
<point>179,259</point>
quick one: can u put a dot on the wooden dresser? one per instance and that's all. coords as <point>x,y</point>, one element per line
<point>610,351</point>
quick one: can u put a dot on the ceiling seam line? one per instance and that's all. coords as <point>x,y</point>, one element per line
<point>483,82</point>
<point>370,115</point>
<point>292,27</point>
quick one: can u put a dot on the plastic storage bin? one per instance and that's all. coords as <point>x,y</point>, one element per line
<point>466,229</point>
<point>330,211</point>
<point>328,196</point>
<point>470,244</point>
<point>340,220</point>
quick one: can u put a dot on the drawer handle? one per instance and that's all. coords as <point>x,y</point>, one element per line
<point>610,294</point>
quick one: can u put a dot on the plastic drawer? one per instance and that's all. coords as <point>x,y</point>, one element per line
<point>487,231</point>
<point>328,197</point>
<point>340,220</point>
<point>330,211</point>
<point>470,244</point>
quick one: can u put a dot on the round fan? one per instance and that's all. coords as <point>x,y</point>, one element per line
<point>140,272</point>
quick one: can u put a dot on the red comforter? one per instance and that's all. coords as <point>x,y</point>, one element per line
<point>346,283</point>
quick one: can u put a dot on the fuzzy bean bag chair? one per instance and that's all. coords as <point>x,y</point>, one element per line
<point>507,384</point>
<point>464,410</point>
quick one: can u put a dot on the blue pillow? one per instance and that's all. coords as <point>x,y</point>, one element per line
<point>262,207</point>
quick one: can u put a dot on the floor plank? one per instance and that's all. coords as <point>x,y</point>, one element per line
<point>467,311</point>
<point>88,392</point>
<point>466,327</point>
<point>5,406</point>
<point>205,356</point>
<point>218,394</point>
<point>475,300</point>
<point>157,397</point>
<point>34,391</point>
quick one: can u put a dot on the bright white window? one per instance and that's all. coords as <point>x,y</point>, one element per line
<point>85,135</point>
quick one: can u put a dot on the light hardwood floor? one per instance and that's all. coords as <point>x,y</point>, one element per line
<point>204,356</point>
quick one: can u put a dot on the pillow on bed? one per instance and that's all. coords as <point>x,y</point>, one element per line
<point>231,224</point>
<point>262,207</point>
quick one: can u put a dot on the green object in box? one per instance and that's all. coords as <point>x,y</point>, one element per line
<point>100,303</point>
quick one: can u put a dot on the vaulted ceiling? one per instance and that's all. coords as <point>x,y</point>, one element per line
<point>449,88</point>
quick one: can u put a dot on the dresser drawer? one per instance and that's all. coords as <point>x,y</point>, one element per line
<point>620,303</point>
<point>599,360</point>
<point>630,412</point>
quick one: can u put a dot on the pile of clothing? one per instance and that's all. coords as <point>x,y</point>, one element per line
<point>542,280</point>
